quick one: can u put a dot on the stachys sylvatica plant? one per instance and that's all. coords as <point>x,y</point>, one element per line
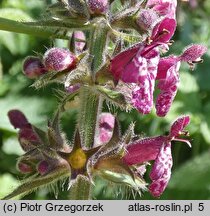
<point>117,57</point>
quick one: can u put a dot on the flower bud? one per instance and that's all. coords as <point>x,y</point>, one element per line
<point>24,167</point>
<point>43,167</point>
<point>26,136</point>
<point>18,119</point>
<point>72,88</point>
<point>59,59</point>
<point>33,67</point>
<point>98,6</point>
<point>146,19</point>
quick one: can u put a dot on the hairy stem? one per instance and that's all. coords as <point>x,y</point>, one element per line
<point>81,189</point>
<point>89,107</point>
<point>19,27</point>
<point>90,102</point>
<point>98,44</point>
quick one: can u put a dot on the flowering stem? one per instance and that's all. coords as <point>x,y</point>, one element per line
<point>90,102</point>
<point>18,27</point>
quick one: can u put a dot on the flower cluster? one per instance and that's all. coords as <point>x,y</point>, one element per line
<point>157,149</point>
<point>91,74</point>
<point>48,151</point>
<point>142,64</point>
<point>55,59</point>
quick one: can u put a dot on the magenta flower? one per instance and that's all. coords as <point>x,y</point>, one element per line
<point>139,64</point>
<point>168,76</point>
<point>157,149</point>
<point>72,88</point>
<point>168,86</point>
<point>163,7</point>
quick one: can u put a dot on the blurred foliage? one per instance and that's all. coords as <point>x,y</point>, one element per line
<point>191,170</point>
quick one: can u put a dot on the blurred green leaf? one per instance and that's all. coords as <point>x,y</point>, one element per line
<point>8,183</point>
<point>193,175</point>
<point>30,106</point>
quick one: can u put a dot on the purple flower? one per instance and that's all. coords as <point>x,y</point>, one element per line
<point>161,170</point>
<point>139,64</point>
<point>168,76</point>
<point>24,167</point>
<point>18,119</point>
<point>168,86</point>
<point>163,7</point>
<point>192,54</point>
<point>157,149</point>
<point>40,151</point>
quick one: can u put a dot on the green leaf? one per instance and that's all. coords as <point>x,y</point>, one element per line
<point>7,182</point>
<point>32,184</point>
<point>14,14</point>
<point>33,112</point>
<point>193,175</point>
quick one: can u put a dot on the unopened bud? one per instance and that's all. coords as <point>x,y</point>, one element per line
<point>98,6</point>
<point>24,167</point>
<point>33,67</point>
<point>59,59</point>
<point>18,119</point>
<point>26,138</point>
<point>43,167</point>
<point>146,19</point>
<point>72,88</point>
